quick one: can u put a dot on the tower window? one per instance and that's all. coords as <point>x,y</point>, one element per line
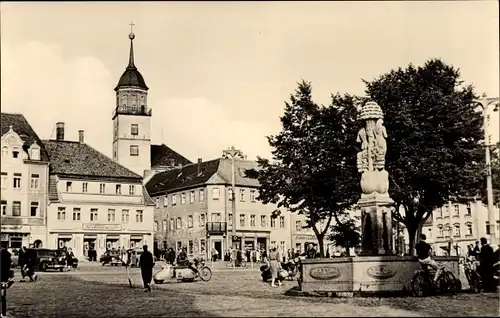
<point>134,150</point>
<point>134,129</point>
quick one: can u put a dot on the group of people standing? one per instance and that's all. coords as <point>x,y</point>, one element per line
<point>487,259</point>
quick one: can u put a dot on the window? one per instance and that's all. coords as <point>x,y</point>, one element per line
<point>102,188</point>
<point>191,197</point>
<point>35,154</point>
<point>165,201</point>
<point>215,193</point>
<point>17,181</point>
<point>15,153</point>
<point>155,228</point>
<point>5,151</point>
<point>35,181</point>
<point>446,211</point>
<point>125,216</point>
<point>139,216</point>
<point>440,213</point>
<point>230,194</point>
<point>457,230</point>
<point>174,199</point>
<point>85,187</point>
<point>273,243</point>
<point>468,226</point>
<point>298,226</point>
<point>69,185</point>
<point>202,195</point>
<point>203,246</point>
<point>34,209</point>
<point>216,217</point>
<point>61,214</point>
<point>190,221</point>
<point>134,150</point>
<point>447,231</point>
<point>263,221</point>
<point>183,198</point>
<point>157,202</point>
<point>282,221</point>
<point>282,246</point>
<point>190,248</point>
<point>134,129</point>
<point>172,224</point>
<point>469,210</point>
<point>487,228</point>
<point>242,220</point>
<point>111,215</point>
<point>252,195</point>
<point>179,223</point>
<point>252,220</point>
<point>273,222</point>
<point>456,210</point>
<point>242,194</point>
<point>94,215</point>
<point>118,189</point>
<point>4,180</point>
<point>131,189</point>
<point>16,208</point>
<point>76,214</point>
<point>4,207</point>
<point>202,220</point>
<point>164,223</point>
<point>441,232</point>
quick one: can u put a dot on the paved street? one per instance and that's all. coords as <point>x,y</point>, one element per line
<point>96,291</point>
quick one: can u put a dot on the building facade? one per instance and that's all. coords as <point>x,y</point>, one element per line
<point>194,209</point>
<point>24,172</point>
<point>460,225</point>
<point>93,201</point>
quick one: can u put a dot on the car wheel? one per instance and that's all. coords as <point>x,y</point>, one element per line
<point>61,269</point>
<point>44,267</point>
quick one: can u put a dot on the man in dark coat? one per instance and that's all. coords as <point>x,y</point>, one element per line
<point>486,260</point>
<point>146,263</point>
<point>5,264</point>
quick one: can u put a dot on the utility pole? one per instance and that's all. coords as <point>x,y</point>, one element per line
<point>485,102</point>
<point>233,153</point>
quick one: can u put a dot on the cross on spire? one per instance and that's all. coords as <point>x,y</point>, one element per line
<point>131,27</point>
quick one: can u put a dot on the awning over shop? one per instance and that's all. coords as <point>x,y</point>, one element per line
<point>112,237</point>
<point>65,236</point>
<point>136,237</point>
<point>90,236</point>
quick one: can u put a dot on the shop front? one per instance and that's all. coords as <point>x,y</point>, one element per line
<point>301,241</point>
<point>15,236</point>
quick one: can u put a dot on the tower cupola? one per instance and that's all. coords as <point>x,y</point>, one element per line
<point>131,77</point>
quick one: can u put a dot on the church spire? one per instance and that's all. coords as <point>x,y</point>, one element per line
<point>131,36</point>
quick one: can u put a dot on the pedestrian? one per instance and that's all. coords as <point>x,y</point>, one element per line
<point>274,266</point>
<point>5,264</point>
<point>146,263</point>
<point>477,248</point>
<point>486,261</point>
<point>311,251</point>
<point>21,261</point>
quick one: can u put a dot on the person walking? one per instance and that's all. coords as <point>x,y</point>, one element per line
<point>146,264</point>
<point>274,266</point>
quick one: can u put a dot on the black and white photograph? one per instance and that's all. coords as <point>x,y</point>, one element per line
<point>250,159</point>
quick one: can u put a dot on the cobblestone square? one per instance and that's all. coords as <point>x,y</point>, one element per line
<point>96,291</point>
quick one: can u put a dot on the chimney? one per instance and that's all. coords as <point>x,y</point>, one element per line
<point>60,131</point>
<point>198,166</point>
<point>80,136</point>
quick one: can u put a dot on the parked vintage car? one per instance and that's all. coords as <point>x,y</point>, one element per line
<point>111,257</point>
<point>135,255</point>
<point>48,259</point>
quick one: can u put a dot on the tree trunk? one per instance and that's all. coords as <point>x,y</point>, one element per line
<point>412,238</point>
<point>320,239</point>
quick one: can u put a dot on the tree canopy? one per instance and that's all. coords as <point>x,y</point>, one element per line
<point>435,143</point>
<point>313,171</point>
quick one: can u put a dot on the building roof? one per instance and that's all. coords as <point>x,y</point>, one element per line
<point>131,76</point>
<point>71,158</point>
<point>188,176</point>
<point>163,156</point>
<point>21,127</point>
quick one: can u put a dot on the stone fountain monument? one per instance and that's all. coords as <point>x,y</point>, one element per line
<point>376,269</point>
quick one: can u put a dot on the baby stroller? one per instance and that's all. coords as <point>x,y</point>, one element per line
<point>265,273</point>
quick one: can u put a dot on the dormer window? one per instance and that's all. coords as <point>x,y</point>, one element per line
<point>35,151</point>
<point>69,186</point>
<point>15,153</point>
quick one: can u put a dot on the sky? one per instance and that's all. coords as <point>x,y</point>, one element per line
<point>220,72</point>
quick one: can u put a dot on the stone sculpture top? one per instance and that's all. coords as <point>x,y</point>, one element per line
<point>371,158</point>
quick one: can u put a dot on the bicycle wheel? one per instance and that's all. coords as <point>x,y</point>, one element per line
<point>420,285</point>
<point>450,282</point>
<point>475,282</point>
<point>205,274</point>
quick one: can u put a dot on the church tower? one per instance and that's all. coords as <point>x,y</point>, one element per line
<point>132,119</point>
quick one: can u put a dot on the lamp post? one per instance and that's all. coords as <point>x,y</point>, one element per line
<point>485,102</point>
<point>232,154</point>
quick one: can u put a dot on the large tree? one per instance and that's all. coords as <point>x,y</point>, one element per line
<point>435,143</point>
<point>346,234</point>
<point>313,171</point>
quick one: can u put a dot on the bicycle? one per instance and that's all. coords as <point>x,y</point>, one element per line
<point>423,284</point>
<point>473,277</point>
<point>243,264</point>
